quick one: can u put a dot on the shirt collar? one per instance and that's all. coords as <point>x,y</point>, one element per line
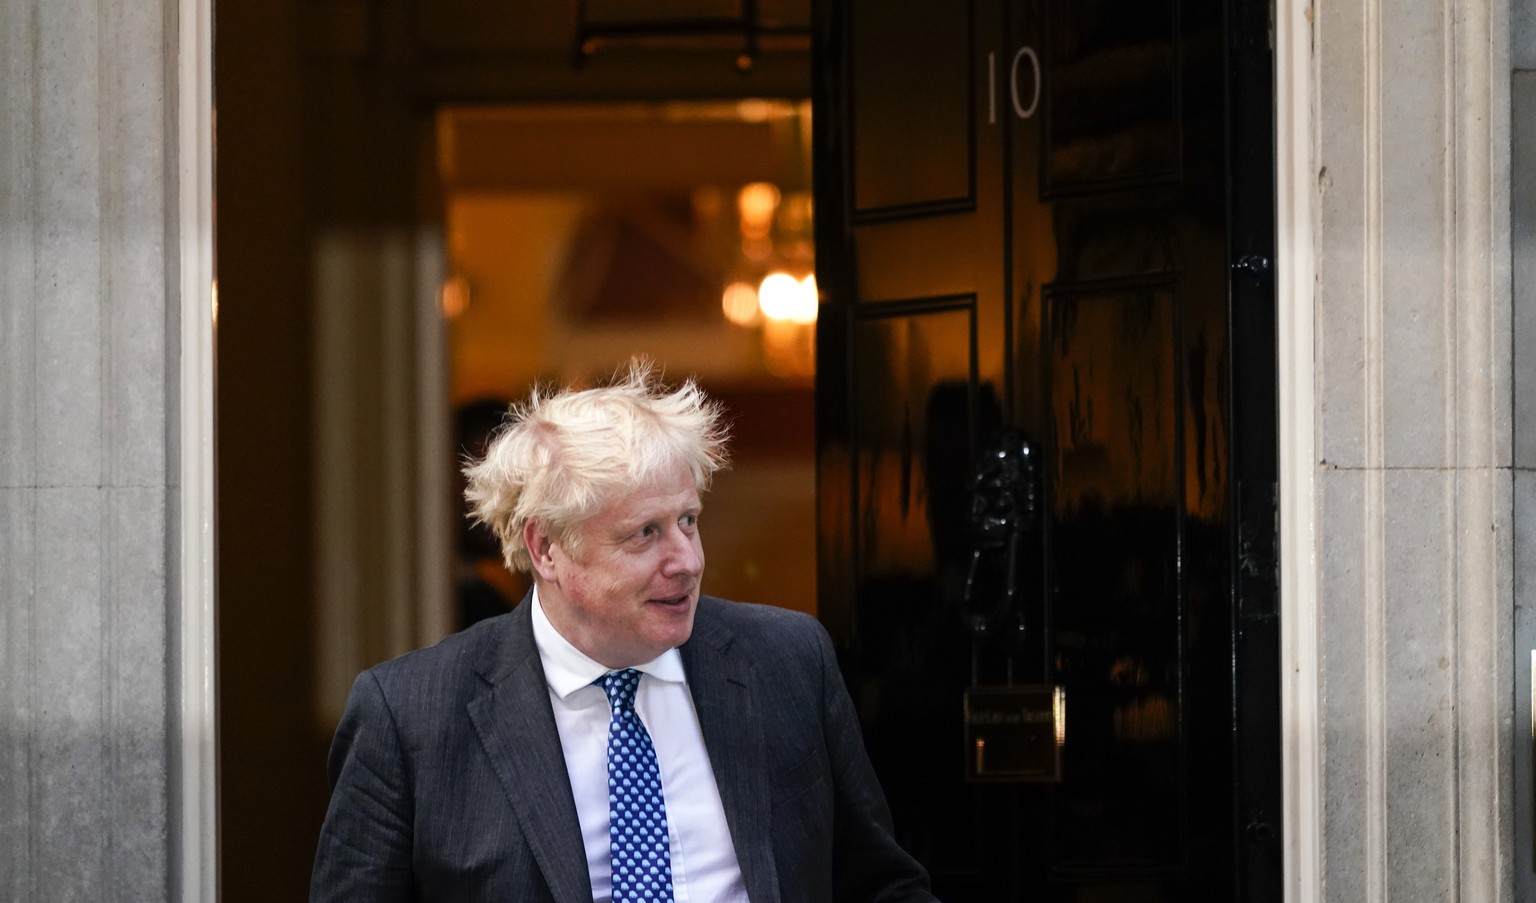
<point>568,669</point>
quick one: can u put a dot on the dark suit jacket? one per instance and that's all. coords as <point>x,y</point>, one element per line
<point>448,781</point>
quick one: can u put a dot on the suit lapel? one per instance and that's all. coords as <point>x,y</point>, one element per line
<point>516,725</point>
<point>727,706</point>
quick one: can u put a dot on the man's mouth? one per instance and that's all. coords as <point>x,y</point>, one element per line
<point>672,600</point>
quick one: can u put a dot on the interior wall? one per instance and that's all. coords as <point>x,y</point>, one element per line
<point>506,248</point>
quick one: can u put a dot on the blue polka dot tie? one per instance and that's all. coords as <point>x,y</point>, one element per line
<point>637,814</point>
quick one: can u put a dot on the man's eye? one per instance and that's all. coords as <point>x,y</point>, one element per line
<point>689,520</point>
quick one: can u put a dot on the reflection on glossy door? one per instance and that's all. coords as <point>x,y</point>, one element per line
<point>1077,293</point>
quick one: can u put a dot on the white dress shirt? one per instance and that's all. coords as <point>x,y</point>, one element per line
<point>704,864</point>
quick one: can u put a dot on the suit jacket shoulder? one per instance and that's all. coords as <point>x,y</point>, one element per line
<point>454,666</point>
<point>778,639</point>
<point>448,780</point>
<point>808,819</point>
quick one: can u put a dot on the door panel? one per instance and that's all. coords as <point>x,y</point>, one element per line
<point>905,360</point>
<point>887,250</point>
<point>1115,580</point>
<point>893,96</point>
<point>1111,103</point>
<point>1047,247</point>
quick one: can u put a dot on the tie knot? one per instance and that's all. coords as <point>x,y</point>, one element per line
<point>620,687</point>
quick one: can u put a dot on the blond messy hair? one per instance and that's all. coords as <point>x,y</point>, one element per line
<point>562,455</point>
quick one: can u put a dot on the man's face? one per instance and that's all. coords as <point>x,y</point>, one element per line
<point>630,593</point>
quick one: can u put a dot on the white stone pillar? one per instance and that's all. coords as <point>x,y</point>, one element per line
<point>1408,457</point>
<point>93,242</point>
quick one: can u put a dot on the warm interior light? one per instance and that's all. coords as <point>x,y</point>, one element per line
<point>789,349</point>
<point>784,298</point>
<point>756,204</point>
<point>777,295</point>
<point>755,110</point>
<point>739,302</point>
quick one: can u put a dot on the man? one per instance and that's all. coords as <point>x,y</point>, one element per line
<point>618,736</point>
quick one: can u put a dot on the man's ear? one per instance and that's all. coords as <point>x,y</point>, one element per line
<point>539,543</point>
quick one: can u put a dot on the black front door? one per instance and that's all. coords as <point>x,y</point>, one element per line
<point>1046,226</point>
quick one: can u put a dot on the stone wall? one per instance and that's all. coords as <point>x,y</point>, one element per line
<point>1414,497</point>
<point>88,413</point>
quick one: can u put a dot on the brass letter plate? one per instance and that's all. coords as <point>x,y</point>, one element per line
<point>1014,733</point>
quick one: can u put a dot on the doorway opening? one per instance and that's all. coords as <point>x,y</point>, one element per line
<point>363,150</point>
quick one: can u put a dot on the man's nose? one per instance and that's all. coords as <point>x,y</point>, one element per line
<point>685,554</point>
